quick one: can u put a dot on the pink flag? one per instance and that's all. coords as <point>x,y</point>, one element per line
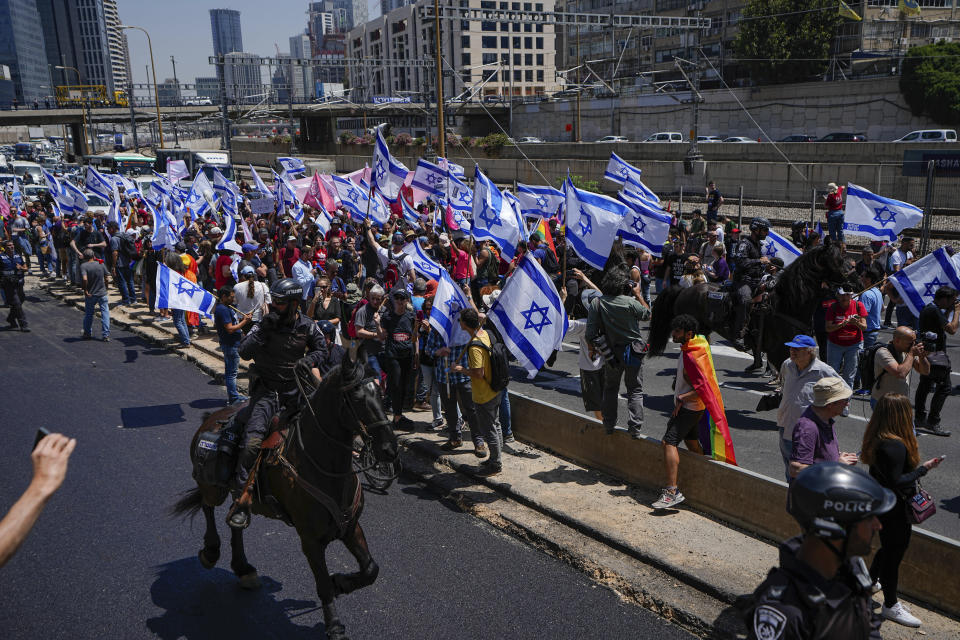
<point>333,199</point>
<point>315,193</point>
<point>448,218</point>
<point>4,206</point>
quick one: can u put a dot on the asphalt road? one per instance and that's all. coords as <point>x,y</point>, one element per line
<point>755,434</point>
<point>105,561</point>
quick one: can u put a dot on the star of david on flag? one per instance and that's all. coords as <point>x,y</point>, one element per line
<point>351,197</point>
<point>389,173</point>
<point>422,262</point>
<point>429,177</point>
<point>918,282</point>
<point>494,216</point>
<point>448,301</point>
<point>776,246</point>
<point>539,201</point>
<point>292,166</point>
<point>176,292</point>
<point>646,226</point>
<point>529,315</point>
<point>593,221</point>
<point>98,185</point>
<point>410,215</point>
<point>619,170</point>
<point>877,217</point>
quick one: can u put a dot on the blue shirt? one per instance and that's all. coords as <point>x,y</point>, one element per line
<point>222,316</point>
<point>303,273</point>
<point>444,364</point>
<point>872,301</point>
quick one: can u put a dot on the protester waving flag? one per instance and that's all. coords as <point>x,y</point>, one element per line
<point>529,315</point>
<point>316,194</point>
<point>636,187</point>
<point>539,201</point>
<point>379,211</point>
<point>448,301</point>
<point>388,172</point>
<point>430,178</point>
<point>592,223</point>
<point>177,170</point>
<point>292,166</point>
<point>619,170</point>
<point>198,198</point>
<point>410,214</point>
<point>776,246</point>
<point>423,262</point>
<point>352,197</point>
<point>543,229</point>
<point>646,225</point>
<point>877,217</point>
<point>918,282</point>
<point>322,221</point>
<point>98,185</point>
<point>258,183</point>
<point>176,292</point>
<point>494,217</point>
<point>455,169</point>
<point>228,240</point>
<point>164,227</point>
<point>714,431</point>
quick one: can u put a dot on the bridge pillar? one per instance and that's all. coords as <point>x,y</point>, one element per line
<point>318,133</point>
<point>79,144</point>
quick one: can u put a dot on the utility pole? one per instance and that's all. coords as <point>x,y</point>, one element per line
<point>293,131</point>
<point>176,136</point>
<point>133,115</point>
<point>579,89</point>
<point>224,112</point>
<point>441,144</point>
<point>693,153</point>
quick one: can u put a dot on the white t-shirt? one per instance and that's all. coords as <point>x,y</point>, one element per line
<point>404,260</point>
<point>693,403</point>
<point>578,329</point>
<point>246,304</point>
<point>899,258</point>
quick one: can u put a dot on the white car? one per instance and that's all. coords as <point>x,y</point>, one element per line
<point>741,139</point>
<point>709,138</point>
<point>930,135</point>
<point>33,191</point>
<point>96,204</point>
<point>666,136</point>
<point>529,140</point>
<point>613,139</point>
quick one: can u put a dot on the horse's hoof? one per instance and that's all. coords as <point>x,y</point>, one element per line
<point>250,581</point>
<point>337,632</point>
<point>204,562</point>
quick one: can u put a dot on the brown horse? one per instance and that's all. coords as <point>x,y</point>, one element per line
<point>313,481</point>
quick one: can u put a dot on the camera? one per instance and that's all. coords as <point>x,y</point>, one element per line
<point>929,341</point>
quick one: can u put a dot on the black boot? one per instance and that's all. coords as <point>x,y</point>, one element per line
<point>239,515</point>
<point>756,364</point>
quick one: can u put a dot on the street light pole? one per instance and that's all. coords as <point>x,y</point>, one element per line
<point>441,146</point>
<point>156,96</point>
<point>83,113</point>
<point>176,135</point>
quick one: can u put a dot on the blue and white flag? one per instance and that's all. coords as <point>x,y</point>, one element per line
<point>222,184</point>
<point>592,223</point>
<point>636,187</point>
<point>776,246</point>
<point>198,198</point>
<point>379,210</point>
<point>877,217</point>
<point>494,217</point>
<point>619,170</point>
<point>646,225</point>
<point>423,262</point>
<point>388,172</point>
<point>97,184</point>
<point>460,196</point>
<point>176,292</point>
<point>129,187</point>
<point>228,241</point>
<point>323,222</point>
<point>113,214</point>
<point>73,198</point>
<point>258,183</point>
<point>455,169</point>
<point>292,166</point>
<point>448,302</point>
<point>918,282</point>
<point>162,185</point>
<point>410,215</point>
<point>529,315</point>
<point>52,183</point>
<point>164,227</point>
<point>16,196</point>
<point>352,197</point>
<point>430,178</point>
<point>538,202</point>
<point>287,196</point>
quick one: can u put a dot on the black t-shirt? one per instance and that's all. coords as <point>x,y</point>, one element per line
<point>933,319</point>
<point>399,328</point>
<point>85,238</point>
<point>713,200</point>
<point>676,261</point>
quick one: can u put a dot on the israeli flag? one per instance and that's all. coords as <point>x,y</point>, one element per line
<point>176,292</point>
<point>379,211</point>
<point>16,197</point>
<point>76,198</point>
<point>455,169</point>
<point>918,282</point>
<point>619,170</point>
<point>129,187</point>
<point>98,185</point>
<point>258,183</point>
<point>448,302</point>
<point>593,221</point>
<point>410,215</point>
<point>292,166</point>
<point>430,178</point>
<point>198,198</point>
<point>164,228</point>
<point>776,246</point>
<point>352,197</point>
<point>460,196</point>
<point>113,213</point>
<point>323,222</point>
<point>634,186</point>
<point>539,201</point>
<point>877,217</point>
<point>55,189</point>
<point>422,262</point>
<point>287,196</point>
<point>529,315</point>
<point>646,225</point>
<point>228,240</point>
<point>494,217</point>
<point>388,172</point>
<point>162,185</point>
<point>221,184</point>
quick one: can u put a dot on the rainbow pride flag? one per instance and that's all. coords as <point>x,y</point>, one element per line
<point>544,230</point>
<point>714,431</point>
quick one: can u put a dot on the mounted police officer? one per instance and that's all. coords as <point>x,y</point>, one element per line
<point>276,345</point>
<point>822,588</point>
<point>749,263</point>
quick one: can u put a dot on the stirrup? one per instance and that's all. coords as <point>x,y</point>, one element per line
<point>239,516</point>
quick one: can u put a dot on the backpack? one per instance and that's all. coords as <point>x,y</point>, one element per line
<point>128,249</point>
<point>391,275</point>
<point>865,366</point>
<point>499,361</point>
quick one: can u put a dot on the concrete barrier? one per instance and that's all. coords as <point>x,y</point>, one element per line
<point>732,494</point>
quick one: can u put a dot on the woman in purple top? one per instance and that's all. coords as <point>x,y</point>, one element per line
<point>814,438</point>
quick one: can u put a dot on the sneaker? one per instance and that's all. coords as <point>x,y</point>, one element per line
<point>875,587</point>
<point>437,424</point>
<point>899,614</point>
<point>86,336</point>
<point>480,450</point>
<point>450,445</point>
<point>934,429</point>
<point>635,432</point>
<point>668,500</point>
<point>862,392</point>
<point>509,439</point>
<point>486,469</point>
<point>106,338</point>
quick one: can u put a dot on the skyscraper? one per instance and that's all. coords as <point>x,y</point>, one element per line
<point>83,34</point>
<point>225,24</point>
<point>22,49</point>
<point>119,56</point>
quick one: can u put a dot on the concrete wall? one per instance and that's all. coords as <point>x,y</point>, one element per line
<point>874,107</point>
<point>732,494</point>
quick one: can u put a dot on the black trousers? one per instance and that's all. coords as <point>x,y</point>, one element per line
<point>400,382</point>
<point>255,418</point>
<point>13,293</point>
<point>939,381</point>
<point>894,539</point>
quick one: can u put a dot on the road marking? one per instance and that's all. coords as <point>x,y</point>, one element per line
<point>736,387</point>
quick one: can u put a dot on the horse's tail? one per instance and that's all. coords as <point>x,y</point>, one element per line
<point>660,320</point>
<point>189,504</point>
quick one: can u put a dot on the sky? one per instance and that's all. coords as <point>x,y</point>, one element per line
<point>181,28</point>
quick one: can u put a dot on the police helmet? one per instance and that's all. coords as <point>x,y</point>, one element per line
<point>759,223</point>
<point>828,497</point>
<point>327,327</point>
<point>286,290</point>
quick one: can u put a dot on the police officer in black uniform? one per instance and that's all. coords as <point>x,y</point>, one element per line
<point>822,588</point>
<point>276,345</point>
<point>12,269</point>
<point>749,263</point>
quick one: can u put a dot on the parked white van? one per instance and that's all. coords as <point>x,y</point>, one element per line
<point>930,135</point>
<point>666,136</point>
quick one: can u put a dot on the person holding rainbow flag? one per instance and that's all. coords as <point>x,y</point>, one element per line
<point>698,416</point>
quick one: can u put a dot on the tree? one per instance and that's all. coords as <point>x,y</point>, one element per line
<point>788,41</point>
<point>930,81</point>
